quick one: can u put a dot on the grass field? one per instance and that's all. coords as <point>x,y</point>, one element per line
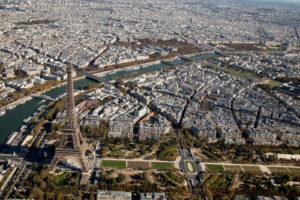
<point>270,84</point>
<point>223,181</point>
<point>190,167</point>
<point>162,165</point>
<point>61,176</point>
<point>295,171</point>
<point>233,168</point>
<point>116,153</point>
<point>217,181</point>
<point>273,83</point>
<point>210,155</point>
<point>169,153</point>
<point>170,179</point>
<point>214,168</point>
<point>211,179</point>
<point>64,178</point>
<point>234,72</point>
<point>138,164</point>
<point>278,170</point>
<point>252,169</point>
<point>113,163</point>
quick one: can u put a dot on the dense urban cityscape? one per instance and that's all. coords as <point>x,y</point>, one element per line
<point>150,100</point>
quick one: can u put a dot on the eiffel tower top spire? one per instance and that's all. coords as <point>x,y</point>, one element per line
<point>70,122</point>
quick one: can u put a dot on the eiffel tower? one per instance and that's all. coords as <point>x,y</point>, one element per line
<point>71,143</point>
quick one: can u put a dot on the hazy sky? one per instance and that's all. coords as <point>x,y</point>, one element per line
<point>282,1</point>
<point>274,1</point>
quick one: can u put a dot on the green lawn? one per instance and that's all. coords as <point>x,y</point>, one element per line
<point>211,167</point>
<point>223,181</point>
<point>233,168</point>
<point>169,153</point>
<point>65,178</point>
<point>279,170</point>
<point>273,83</point>
<point>295,171</point>
<point>190,167</point>
<point>210,155</point>
<point>113,163</point>
<point>298,188</point>
<point>217,181</point>
<point>170,179</point>
<point>61,176</point>
<point>270,84</point>
<point>116,153</point>
<point>162,165</point>
<point>252,169</point>
<point>210,180</point>
<point>234,72</point>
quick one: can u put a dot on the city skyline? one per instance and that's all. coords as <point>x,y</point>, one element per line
<point>157,99</point>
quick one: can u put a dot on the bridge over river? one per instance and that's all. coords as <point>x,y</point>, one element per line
<point>94,77</point>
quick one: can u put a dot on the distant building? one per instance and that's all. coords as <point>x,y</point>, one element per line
<point>31,71</point>
<point>270,198</point>
<point>153,196</point>
<point>8,74</point>
<point>154,127</point>
<point>2,85</point>
<point>291,137</point>
<point>123,126</point>
<point>51,77</point>
<point>113,195</point>
<point>6,91</point>
<point>120,129</point>
<point>63,75</point>
<point>147,130</point>
<point>263,137</point>
<point>208,132</point>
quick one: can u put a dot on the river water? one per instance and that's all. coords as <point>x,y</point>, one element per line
<point>13,119</point>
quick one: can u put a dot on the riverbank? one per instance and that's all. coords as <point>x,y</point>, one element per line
<point>15,103</point>
<point>103,73</point>
<point>128,68</point>
<point>29,97</point>
<point>151,63</point>
<point>13,119</point>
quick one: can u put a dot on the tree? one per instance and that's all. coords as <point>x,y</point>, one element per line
<point>36,193</point>
<point>120,178</point>
<point>59,196</point>
<point>49,195</point>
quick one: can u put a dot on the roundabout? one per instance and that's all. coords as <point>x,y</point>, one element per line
<point>190,167</point>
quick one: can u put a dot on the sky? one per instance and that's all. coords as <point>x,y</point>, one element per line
<point>290,2</point>
<point>281,1</point>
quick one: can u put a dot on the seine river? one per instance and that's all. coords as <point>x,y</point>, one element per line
<point>13,119</point>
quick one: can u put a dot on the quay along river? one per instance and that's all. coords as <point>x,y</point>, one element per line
<point>12,120</point>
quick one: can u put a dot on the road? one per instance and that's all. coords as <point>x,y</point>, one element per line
<point>194,179</point>
<point>187,155</point>
<point>94,163</point>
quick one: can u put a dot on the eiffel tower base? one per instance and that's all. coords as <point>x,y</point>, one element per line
<point>65,154</point>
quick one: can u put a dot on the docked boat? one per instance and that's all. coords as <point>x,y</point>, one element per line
<point>42,101</point>
<point>25,121</point>
<point>11,138</point>
<point>11,107</point>
<point>2,113</point>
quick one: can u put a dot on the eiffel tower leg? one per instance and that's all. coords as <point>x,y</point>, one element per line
<point>84,165</point>
<point>54,162</point>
